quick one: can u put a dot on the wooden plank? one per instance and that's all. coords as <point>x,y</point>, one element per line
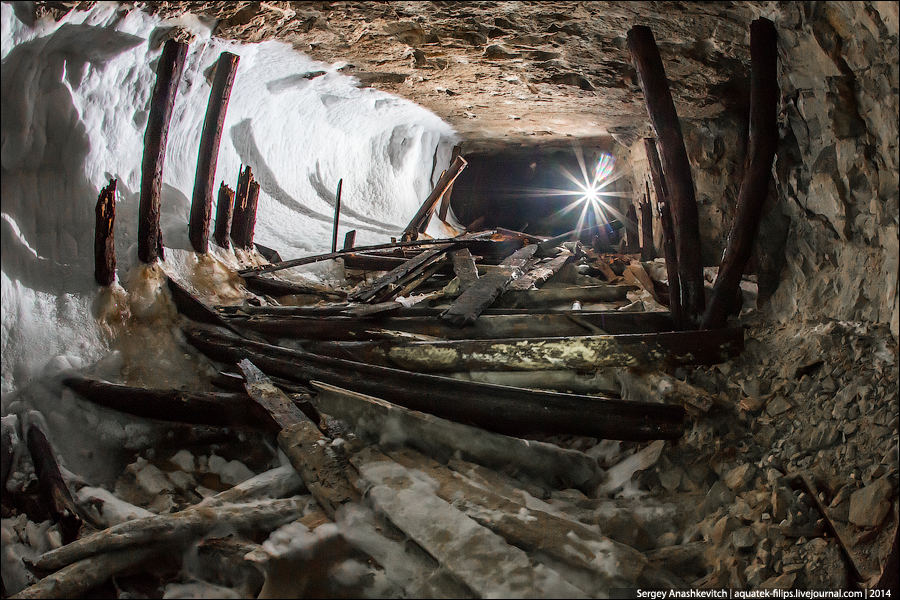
<point>168,75</point>
<point>495,408</point>
<point>577,353</point>
<point>543,271</point>
<point>556,296</point>
<point>205,179</point>
<point>764,97</point>
<point>677,169</point>
<point>104,238</point>
<point>349,239</point>
<point>420,220</point>
<point>224,211</point>
<point>465,310</point>
<point>239,216</point>
<point>366,293</point>
<point>445,197</point>
<point>278,287</point>
<point>464,267</point>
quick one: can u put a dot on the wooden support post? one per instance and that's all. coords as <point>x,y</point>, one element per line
<point>420,221</point>
<point>337,215</point>
<point>168,73</point>
<point>676,167</point>
<point>349,239</point>
<point>648,252</point>
<point>665,219</point>
<point>755,187</point>
<point>632,241</point>
<point>224,210</point>
<point>104,240</point>
<point>205,179</point>
<point>445,199</point>
<point>244,219</point>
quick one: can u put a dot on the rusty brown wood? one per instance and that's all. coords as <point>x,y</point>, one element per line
<point>104,238</point>
<point>464,268</point>
<point>205,179</point>
<point>224,211</point>
<point>492,407</point>
<point>349,239</point>
<point>677,169</point>
<point>755,187</point>
<point>420,220</point>
<point>53,487</point>
<point>168,75</point>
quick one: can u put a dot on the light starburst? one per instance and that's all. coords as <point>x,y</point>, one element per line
<point>592,192</point>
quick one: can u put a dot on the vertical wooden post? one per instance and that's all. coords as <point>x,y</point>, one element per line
<point>205,179</point>
<point>665,219</point>
<point>239,218</point>
<point>349,239</point>
<point>755,186</point>
<point>104,239</point>
<point>337,215</point>
<point>677,169</point>
<point>445,199</point>
<point>250,224</point>
<point>648,252</point>
<point>168,73</point>
<point>224,208</point>
<point>632,243</point>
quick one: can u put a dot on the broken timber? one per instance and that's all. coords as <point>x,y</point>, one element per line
<point>648,252</point>
<point>755,187</point>
<point>495,408</point>
<point>382,288</point>
<point>224,210</point>
<point>677,169</point>
<point>445,197</point>
<point>168,74</point>
<point>420,221</point>
<point>54,490</point>
<point>550,296</point>
<point>577,353</point>
<point>465,310</point>
<point>204,181</point>
<point>541,272</point>
<point>104,239</point>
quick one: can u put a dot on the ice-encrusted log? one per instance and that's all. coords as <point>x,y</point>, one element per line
<point>419,222</point>
<point>337,215</point>
<point>224,211</point>
<point>104,240</point>
<point>496,408</point>
<point>677,169</point>
<point>54,490</point>
<point>537,462</point>
<point>466,309</point>
<point>189,524</point>
<point>205,179</point>
<point>755,187</point>
<point>168,74</point>
<point>665,220</point>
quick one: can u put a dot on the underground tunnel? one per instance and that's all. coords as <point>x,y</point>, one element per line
<point>449,299</point>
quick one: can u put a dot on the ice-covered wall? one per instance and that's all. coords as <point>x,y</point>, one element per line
<point>75,97</point>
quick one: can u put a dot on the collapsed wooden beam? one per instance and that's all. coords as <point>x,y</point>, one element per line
<point>677,169</point>
<point>556,296</point>
<point>389,281</point>
<point>445,197</point>
<point>54,490</point>
<point>495,408</point>
<point>104,238</point>
<point>755,187</point>
<point>541,272</point>
<point>278,287</point>
<point>665,219</point>
<point>224,212</point>
<point>583,354</point>
<point>205,179</point>
<point>337,215</point>
<point>648,252</point>
<point>168,74</point>
<point>420,220</point>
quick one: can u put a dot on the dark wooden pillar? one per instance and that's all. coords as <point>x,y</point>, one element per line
<point>632,241</point>
<point>168,73</point>
<point>248,216</point>
<point>104,240</point>
<point>239,218</point>
<point>224,209</point>
<point>337,215</point>
<point>676,167</point>
<point>349,239</point>
<point>648,252</point>
<point>665,220</point>
<point>755,186</point>
<point>205,179</point>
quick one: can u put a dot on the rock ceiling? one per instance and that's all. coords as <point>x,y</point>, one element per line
<point>511,73</point>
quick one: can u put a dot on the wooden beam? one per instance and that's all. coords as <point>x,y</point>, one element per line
<point>755,187</point>
<point>54,490</point>
<point>677,169</point>
<point>205,179</point>
<point>541,272</point>
<point>104,238</point>
<point>632,240</point>
<point>648,252</point>
<point>224,211</point>
<point>445,197</point>
<point>665,219</point>
<point>415,265</point>
<point>349,239</point>
<point>241,219</point>
<point>420,221</point>
<point>464,268</point>
<point>168,74</point>
<point>337,215</point>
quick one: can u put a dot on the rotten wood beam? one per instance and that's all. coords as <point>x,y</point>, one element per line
<point>632,240</point>
<point>54,490</point>
<point>648,252</point>
<point>445,197</point>
<point>466,309</point>
<point>205,179</point>
<point>420,220</point>
<point>337,215</point>
<point>349,239</point>
<point>547,296</point>
<point>665,219</point>
<point>464,268</point>
<point>276,287</point>
<point>541,272</point>
<point>104,238</point>
<point>764,96</point>
<point>224,211</point>
<point>677,169</point>
<point>168,74</point>
<point>495,408</point>
<point>416,265</point>
<point>244,218</point>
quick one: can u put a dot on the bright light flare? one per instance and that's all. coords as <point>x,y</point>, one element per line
<point>591,191</point>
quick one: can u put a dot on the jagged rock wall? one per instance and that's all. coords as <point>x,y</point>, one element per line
<point>828,245</point>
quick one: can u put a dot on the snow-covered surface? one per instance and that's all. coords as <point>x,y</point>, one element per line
<point>75,108</point>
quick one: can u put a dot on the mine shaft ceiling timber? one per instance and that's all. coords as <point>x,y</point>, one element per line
<point>512,73</point>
